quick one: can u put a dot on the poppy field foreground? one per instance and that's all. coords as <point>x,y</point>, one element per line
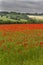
<point>21,44</point>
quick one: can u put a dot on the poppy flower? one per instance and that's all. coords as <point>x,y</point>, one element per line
<point>4,34</point>
<point>4,47</point>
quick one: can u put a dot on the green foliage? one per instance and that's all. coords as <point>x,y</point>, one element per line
<point>18,18</point>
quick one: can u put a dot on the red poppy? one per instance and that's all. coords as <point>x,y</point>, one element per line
<point>25,40</point>
<point>31,46</point>
<point>4,34</point>
<point>26,48</point>
<point>36,44</point>
<point>14,52</point>
<point>10,40</point>
<point>10,47</point>
<point>4,47</point>
<point>18,43</point>
<point>19,51</point>
<point>25,44</point>
<point>39,34</point>
<point>1,42</point>
<point>41,43</point>
<point>21,27</point>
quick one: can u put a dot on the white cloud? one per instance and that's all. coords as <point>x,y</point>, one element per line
<point>0,0</point>
<point>21,0</point>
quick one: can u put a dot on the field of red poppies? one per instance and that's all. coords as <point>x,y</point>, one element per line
<point>21,44</point>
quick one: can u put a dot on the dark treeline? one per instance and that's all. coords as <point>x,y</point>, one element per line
<point>5,12</point>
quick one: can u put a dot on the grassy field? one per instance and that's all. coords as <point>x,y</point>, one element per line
<point>21,44</point>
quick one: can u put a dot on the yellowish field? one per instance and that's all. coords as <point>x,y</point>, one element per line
<point>35,17</point>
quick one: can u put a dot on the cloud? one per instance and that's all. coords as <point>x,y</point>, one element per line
<point>22,5</point>
<point>0,4</point>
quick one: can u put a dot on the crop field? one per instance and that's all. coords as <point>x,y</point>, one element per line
<point>21,44</point>
<point>35,17</point>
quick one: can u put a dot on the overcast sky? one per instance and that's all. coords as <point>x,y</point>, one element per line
<point>22,5</point>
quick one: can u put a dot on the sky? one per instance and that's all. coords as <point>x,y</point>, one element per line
<point>22,5</point>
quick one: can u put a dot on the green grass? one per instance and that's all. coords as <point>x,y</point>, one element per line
<point>19,48</point>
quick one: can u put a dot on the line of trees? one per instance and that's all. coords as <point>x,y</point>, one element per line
<point>21,18</point>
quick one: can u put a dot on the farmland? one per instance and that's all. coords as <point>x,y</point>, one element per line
<point>35,17</point>
<point>21,44</point>
<point>20,18</point>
